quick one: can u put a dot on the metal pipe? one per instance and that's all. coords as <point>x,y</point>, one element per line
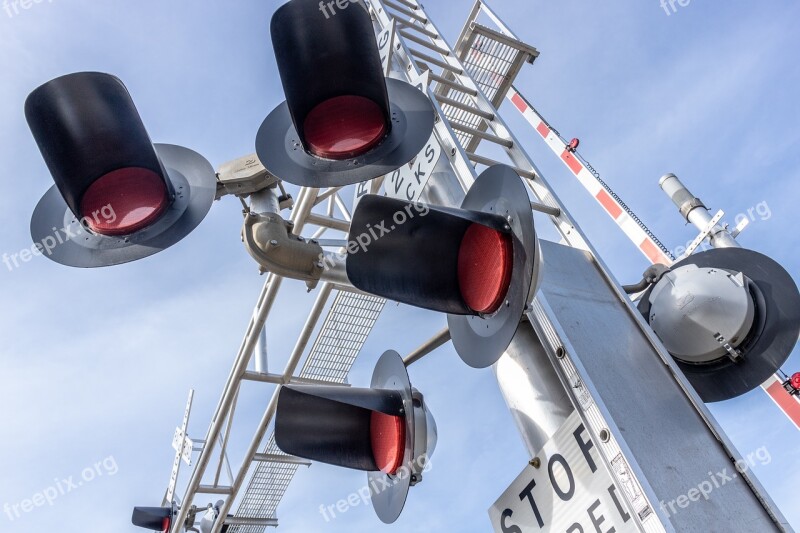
<point>694,211</point>
<point>261,356</point>
<point>533,392</point>
<point>438,340</point>
<point>328,222</point>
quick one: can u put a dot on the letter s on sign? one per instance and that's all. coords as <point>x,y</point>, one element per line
<point>508,529</point>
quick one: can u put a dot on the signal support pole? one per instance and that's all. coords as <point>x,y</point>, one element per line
<point>694,211</point>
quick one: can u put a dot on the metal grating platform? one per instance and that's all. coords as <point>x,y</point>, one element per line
<point>494,61</point>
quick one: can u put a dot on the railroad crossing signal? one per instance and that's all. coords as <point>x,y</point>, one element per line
<point>386,430</point>
<point>479,264</point>
<point>117,197</point>
<point>153,518</point>
<point>343,121</point>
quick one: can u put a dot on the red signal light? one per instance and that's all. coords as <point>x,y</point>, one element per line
<point>485,266</point>
<point>388,436</point>
<point>344,127</point>
<point>796,381</point>
<point>136,196</point>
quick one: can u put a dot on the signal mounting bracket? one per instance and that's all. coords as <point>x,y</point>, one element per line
<point>243,176</point>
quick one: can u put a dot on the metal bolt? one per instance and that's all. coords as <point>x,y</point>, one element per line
<point>560,352</point>
<point>535,462</point>
<point>273,242</point>
<point>605,435</point>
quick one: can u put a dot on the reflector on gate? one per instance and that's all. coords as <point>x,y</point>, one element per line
<point>385,430</point>
<point>117,197</point>
<point>343,122</point>
<point>772,331</point>
<point>479,264</point>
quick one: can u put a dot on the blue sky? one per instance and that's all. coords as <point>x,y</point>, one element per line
<point>97,364</point>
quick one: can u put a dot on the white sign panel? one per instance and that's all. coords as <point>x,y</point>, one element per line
<point>570,492</point>
<point>408,181</point>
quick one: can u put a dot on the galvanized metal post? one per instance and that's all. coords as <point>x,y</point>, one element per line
<point>694,211</point>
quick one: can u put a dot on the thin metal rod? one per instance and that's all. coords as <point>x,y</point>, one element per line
<point>206,489</point>
<point>224,445</point>
<point>465,107</point>
<point>417,27</point>
<point>276,379</point>
<point>486,136</point>
<point>328,222</point>
<point>422,42</point>
<point>410,5</point>
<point>452,84</point>
<point>481,160</point>
<point>438,340</point>
<point>244,521</point>
<point>546,209</point>
<point>437,62</point>
<point>327,194</point>
<point>406,12</point>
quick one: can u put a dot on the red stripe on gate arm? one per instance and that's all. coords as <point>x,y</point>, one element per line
<point>652,251</point>
<point>609,204</point>
<point>543,130</point>
<point>572,162</point>
<point>520,103</point>
<point>789,405</point>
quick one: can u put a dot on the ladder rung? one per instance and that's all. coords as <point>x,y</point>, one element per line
<point>404,11</point>
<point>410,25</point>
<point>437,62</point>
<point>411,5</point>
<point>491,162</point>
<point>546,209</point>
<point>280,459</point>
<point>465,107</point>
<point>427,44</point>
<point>482,134</point>
<point>453,85</point>
<point>207,489</point>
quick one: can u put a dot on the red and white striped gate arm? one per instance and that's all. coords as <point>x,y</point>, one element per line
<point>789,404</point>
<point>644,242</point>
